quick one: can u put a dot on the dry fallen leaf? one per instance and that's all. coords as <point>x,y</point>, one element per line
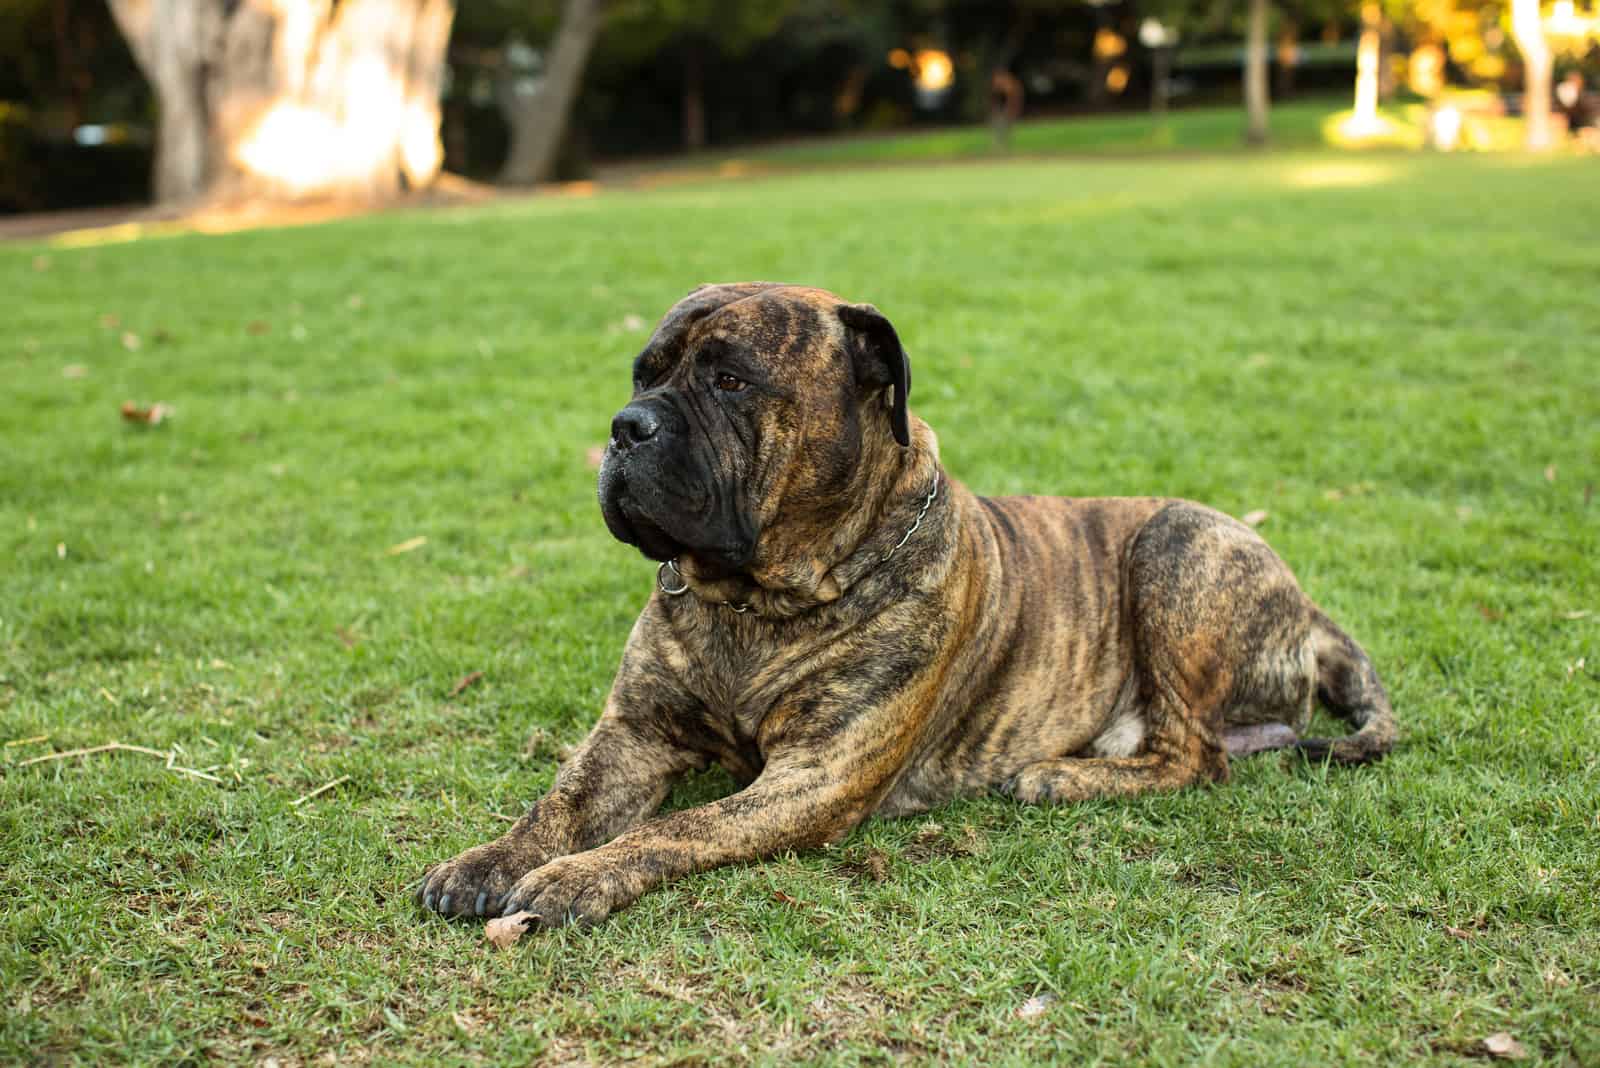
<point>1582,614</point>
<point>74,370</point>
<point>1035,1006</point>
<point>1457,932</point>
<point>503,931</point>
<point>406,546</point>
<point>110,321</point>
<point>151,416</point>
<point>257,327</point>
<point>877,865</point>
<point>1502,1046</point>
<point>1491,614</point>
<point>1255,518</point>
<point>1550,472</point>
<point>130,341</point>
<point>465,681</point>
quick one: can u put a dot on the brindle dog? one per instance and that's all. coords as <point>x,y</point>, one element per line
<point>849,631</point>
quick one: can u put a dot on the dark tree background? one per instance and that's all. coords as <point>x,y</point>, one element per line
<point>116,101</point>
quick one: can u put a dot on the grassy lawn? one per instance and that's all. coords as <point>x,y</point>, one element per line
<point>1394,357</point>
<point>1301,124</point>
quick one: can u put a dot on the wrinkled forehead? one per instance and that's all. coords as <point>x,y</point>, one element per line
<point>774,323</point>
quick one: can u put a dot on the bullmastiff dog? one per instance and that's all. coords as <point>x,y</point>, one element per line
<point>850,631</point>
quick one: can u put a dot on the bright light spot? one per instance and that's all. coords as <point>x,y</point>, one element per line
<point>934,70</point>
<point>1117,79</point>
<point>292,145</point>
<point>900,59</point>
<point>1339,175</point>
<point>1154,34</point>
<point>1347,129</point>
<point>307,151</point>
<point>421,154</point>
<point>1108,43</point>
<point>1447,128</point>
<point>1564,21</point>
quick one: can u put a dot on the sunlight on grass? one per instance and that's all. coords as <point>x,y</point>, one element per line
<point>1340,174</point>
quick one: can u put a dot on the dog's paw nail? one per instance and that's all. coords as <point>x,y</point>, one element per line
<point>483,897</point>
<point>444,904</point>
<point>427,901</point>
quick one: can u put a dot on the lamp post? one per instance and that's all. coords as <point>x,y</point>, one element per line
<point>1159,39</point>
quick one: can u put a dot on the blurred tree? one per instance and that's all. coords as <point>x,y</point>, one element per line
<point>285,99</point>
<point>1527,28</point>
<point>1257,97</point>
<point>1204,17</point>
<point>536,90</point>
<point>71,105</point>
<point>696,32</point>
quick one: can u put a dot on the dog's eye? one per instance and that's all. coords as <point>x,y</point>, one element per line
<point>729,384</point>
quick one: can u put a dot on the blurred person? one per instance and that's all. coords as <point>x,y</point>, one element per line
<point>1581,109</point>
<point>1005,106</point>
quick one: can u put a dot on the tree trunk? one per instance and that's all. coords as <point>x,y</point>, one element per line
<point>694,97</point>
<point>1160,79</point>
<point>168,39</point>
<point>1528,31</point>
<point>291,99</point>
<point>1368,49</point>
<point>1387,82</point>
<point>537,128</point>
<point>1288,56</point>
<point>1256,100</point>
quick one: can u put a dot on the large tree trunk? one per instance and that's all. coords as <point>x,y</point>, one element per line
<point>291,99</point>
<point>537,126</point>
<point>1528,31</point>
<point>1256,99</point>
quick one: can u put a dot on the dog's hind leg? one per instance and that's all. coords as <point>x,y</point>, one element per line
<point>1258,738</point>
<point>1222,660</point>
<point>1349,686</point>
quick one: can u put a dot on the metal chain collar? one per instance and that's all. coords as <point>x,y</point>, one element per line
<point>682,586</point>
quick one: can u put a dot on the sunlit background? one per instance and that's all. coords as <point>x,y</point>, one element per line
<point>117,102</point>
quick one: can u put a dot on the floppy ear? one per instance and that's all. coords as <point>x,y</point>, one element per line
<point>880,360</point>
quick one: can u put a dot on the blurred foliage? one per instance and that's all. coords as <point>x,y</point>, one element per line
<point>64,64</point>
<point>755,71</point>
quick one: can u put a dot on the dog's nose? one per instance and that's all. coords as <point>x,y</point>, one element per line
<point>632,425</point>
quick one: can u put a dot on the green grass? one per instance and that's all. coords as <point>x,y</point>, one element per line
<point>1298,125</point>
<point>1393,356</point>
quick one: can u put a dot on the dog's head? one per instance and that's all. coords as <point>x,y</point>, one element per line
<point>755,406</point>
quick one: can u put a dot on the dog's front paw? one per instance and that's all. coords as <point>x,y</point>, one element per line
<point>475,883</point>
<point>584,888</point>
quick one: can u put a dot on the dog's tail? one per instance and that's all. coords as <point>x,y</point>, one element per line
<point>1348,685</point>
